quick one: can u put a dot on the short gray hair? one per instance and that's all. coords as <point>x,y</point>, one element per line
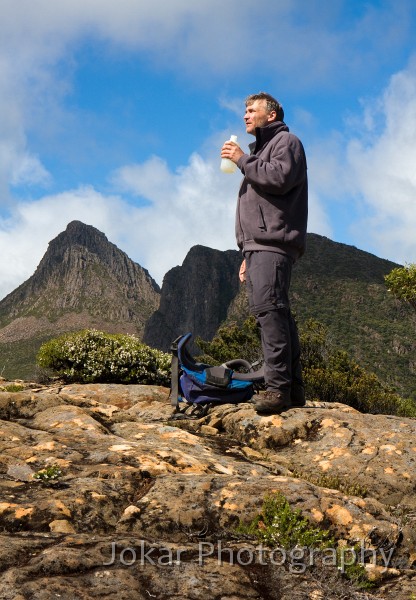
<point>271,104</point>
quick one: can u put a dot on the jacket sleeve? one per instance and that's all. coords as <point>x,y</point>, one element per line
<point>285,168</point>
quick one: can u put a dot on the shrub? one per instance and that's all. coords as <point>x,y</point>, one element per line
<point>401,282</point>
<point>331,375</point>
<point>279,526</point>
<point>91,356</point>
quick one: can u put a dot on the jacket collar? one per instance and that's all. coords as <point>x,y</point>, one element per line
<point>265,134</point>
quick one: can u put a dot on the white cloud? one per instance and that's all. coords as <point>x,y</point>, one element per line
<point>28,169</point>
<point>194,205</point>
<point>38,32</point>
<point>318,219</point>
<point>190,27</point>
<point>382,167</point>
<point>364,178</point>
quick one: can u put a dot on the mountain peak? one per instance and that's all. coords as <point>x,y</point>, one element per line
<point>82,231</point>
<point>75,225</point>
<point>80,235</point>
<point>83,280</point>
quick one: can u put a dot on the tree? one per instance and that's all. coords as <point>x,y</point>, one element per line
<point>401,282</point>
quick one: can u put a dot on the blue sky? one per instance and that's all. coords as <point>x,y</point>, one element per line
<point>114,113</point>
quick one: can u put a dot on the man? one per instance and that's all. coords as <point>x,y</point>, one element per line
<point>271,224</point>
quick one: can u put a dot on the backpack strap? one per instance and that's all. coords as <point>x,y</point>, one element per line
<point>250,375</point>
<point>191,411</point>
<point>174,374</point>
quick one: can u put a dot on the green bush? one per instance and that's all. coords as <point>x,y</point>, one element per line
<point>401,282</point>
<point>91,356</point>
<point>279,526</point>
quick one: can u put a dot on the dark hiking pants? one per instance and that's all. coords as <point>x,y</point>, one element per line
<point>268,277</point>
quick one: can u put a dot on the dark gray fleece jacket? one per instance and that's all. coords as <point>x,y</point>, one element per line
<point>272,207</point>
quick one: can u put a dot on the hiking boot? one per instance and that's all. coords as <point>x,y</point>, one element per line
<point>271,403</point>
<point>297,395</point>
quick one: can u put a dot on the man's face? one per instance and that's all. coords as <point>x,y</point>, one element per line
<point>257,116</point>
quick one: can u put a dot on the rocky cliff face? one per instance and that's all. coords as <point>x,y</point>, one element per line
<point>83,280</point>
<point>195,296</point>
<point>142,508</point>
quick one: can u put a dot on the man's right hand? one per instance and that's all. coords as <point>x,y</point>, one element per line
<point>232,151</point>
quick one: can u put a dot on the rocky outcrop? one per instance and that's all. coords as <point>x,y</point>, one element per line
<point>147,507</point>
<point>195,297</point>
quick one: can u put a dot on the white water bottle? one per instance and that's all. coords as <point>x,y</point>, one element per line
<point>227,165</point>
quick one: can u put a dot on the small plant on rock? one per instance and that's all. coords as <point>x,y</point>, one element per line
<point>12,387</point>
<point>279,525</point>
<point>48,473</point>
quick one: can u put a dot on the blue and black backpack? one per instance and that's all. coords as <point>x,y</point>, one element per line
<point>196,386</point>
